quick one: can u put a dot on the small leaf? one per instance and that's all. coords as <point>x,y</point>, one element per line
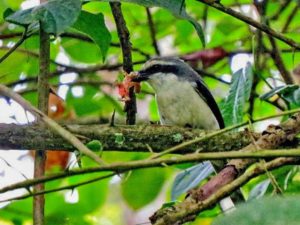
<point>291,93</point>
<point>7,12</point>
<point>177,137</point>
<point>264,211</point>
<point>55,16</point>
<point>259,190</point>
<point>95,145</point>
<point>169,204</point>
<point>94,26</point>
<point>278,90</point>
<point>119,138</point>
<point>239,94</point>
<point>190,178</point>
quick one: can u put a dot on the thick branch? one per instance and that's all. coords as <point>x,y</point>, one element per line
<point>188,212</point>
<point>271,138</point>
<point>123,33</point>
<point>136,138</point>
<point>43,97</point>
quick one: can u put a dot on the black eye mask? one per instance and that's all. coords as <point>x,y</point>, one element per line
<point>146,73</point>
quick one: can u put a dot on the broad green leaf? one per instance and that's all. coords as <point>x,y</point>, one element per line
<point>265,211</point>
<point>142,186</point>
<point>55,15</point>
<point>80,51</point>
<point>190,178</point>
<point>94,26</point>
<point>177,7</point>
<point>239,94</point>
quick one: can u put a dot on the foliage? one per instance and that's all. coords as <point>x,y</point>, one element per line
<point>239,94</point>
<point>266,211</point>
<point>238,67</point>
<point>190,178</point>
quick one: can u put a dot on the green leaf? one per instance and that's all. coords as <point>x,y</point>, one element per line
<point>55,16</point>
<point>119,138</point>
<point>177,7</point>
<point>279,90</point>
<point>190,178</point>
<point>95,145</point>
<point>266,211</point>
<point>94,26</point>
<point>8,12</point>
<point>291,93</point>
<point>142,186</point>
<point>80,51</point>
<point>239,94</point>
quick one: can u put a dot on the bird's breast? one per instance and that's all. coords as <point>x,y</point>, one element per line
<point>179,104</point>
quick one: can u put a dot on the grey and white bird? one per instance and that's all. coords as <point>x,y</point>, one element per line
<point>182,97</point>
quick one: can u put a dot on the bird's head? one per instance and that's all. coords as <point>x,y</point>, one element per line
<point>163,70</point>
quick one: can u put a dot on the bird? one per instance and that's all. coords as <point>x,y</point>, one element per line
<point>182,97</point>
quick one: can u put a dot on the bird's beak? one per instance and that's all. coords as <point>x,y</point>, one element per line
<point>140,76</point>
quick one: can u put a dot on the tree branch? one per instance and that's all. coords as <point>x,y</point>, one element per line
<point>43,97</point>
<point>252,22</point>
<point>290,18</point>
<point>51,124</point>
<point>285,74</point>
<point>189,212</point>
<point>152,31</point>
<point>122,167</point>
<point>164,139</point>
<point>271,138</point>
<point>136,138</point>
<point>123,33</point>
<point>70,69</point>
<point>16,45</point>
<point>78,36</point>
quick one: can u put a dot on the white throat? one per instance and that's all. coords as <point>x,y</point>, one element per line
<point>162,82</point>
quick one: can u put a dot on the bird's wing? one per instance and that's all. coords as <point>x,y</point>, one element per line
<point>205,94</point>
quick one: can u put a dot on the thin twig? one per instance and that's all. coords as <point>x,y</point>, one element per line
<point>72,69</point>
<point>140,164</point>
<point>69,187</point>
<point>281,8</point>
<point>287,77</point>
<point>152,31</point>
<point>290,18</point>
<point>16,45</point>
<point>51,124</point>
<point>252,22</point>
<point>78,36</point>
<point>213,134</point>
<point>150,163</point>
